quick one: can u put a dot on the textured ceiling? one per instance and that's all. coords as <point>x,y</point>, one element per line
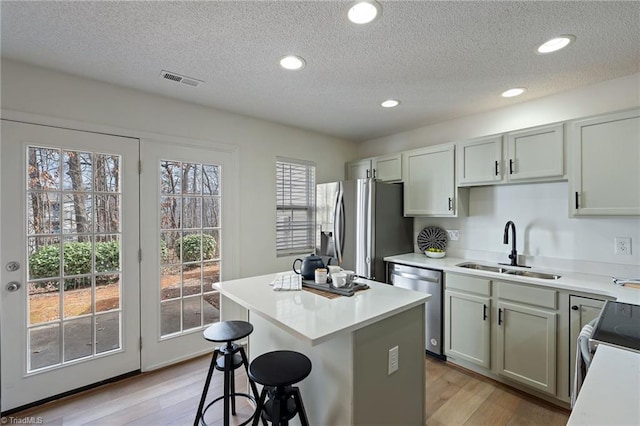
<point>442,59</point>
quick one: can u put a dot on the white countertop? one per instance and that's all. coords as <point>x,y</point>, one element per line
<point>610,394</point>
<point>571,281</point>
<point>316,319</point>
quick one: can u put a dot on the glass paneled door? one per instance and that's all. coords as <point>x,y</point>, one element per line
<point>69,255</point>
<point>185,246</point>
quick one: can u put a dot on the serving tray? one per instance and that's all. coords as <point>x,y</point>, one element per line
<point>343,291</point>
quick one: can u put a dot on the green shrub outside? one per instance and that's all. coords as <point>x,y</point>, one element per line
<point>164,250</point>
<point>191,247</point>
<point>45,262</point>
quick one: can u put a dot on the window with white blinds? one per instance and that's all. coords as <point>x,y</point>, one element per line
<point>295,205</point>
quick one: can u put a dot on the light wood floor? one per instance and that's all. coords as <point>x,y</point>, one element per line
<point>171,396</point>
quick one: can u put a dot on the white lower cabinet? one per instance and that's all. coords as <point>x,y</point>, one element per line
<point>526,347</point>
<point>467,324</point>
<point>506,328</point>
<point>467,327</point>
<point>583,310</point>
<point>527,335</point>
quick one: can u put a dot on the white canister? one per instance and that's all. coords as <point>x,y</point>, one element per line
<point>321,276</point>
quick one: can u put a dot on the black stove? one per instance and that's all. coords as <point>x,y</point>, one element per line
<point>619,325</point>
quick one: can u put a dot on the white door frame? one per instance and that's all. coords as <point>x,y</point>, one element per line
<point>158,352</point>
<point>20,385</point>
<point>232,230</point>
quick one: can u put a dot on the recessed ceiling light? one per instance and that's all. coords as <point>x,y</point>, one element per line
<point>364,12</point>
<point>292,62</point>
<point>556,43</point>
<point>513,92</point>
<point>390,103</point>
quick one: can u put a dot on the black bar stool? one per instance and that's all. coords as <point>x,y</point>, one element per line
<point>277,371</point>
<point>233,357</point>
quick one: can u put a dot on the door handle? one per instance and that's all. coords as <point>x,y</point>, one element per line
<point>13,266</point>
<point>577,204</point>
<point>13,286</point>
<point>499,316</point>
<point>338,223</point>
<point>415,277</point>
<point>450,203</point>
<point>484,312</point>
<point>497,171</point>
<point>575,308</point>
<point>510,166</point>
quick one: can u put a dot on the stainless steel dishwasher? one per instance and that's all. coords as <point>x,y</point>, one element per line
<point>426,281</point>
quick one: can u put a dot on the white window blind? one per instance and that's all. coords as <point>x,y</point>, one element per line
<point>295,205</point>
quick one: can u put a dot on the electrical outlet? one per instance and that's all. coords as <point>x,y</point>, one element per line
<point>393,360</point>
<point>454,234</point>
<point>623,246</point>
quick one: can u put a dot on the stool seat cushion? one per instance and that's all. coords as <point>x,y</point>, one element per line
<point>227,331</point>
<point>279,368</point>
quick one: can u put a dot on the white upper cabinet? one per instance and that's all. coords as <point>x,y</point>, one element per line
<point>605,165</point>
<point>530,155</point>
<point>386,168</point>
<point>360,169</point>
<point>429,181</point>
<point>480,161</point>
<point>535,153</point>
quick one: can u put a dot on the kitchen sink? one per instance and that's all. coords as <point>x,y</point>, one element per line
<point>480,267</point>
<point>501,270</point>
<point>532,274</point>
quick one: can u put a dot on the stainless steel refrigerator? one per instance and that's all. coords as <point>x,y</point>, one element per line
<point>360,222</point>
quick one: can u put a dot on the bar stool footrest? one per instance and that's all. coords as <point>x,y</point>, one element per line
<point>220,398</point>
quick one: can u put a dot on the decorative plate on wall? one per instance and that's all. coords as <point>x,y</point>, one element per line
<point>432,237</point>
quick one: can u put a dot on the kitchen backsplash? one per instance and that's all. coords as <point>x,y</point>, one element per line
<point>546,236</point>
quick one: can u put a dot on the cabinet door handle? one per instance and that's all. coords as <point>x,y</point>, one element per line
<point>374,173</point>
<point>577,204</point>
<point>484,312</point>
<point>450,203</point>
<point>510,166</point>
<point>499,316</point>
<point>368,174</point>
<point>497,171</point>
<point>575,308</point>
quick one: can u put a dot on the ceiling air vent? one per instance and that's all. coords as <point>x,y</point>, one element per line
<point>168,75</point>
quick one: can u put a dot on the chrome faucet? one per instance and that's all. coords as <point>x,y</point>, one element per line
<point>514,254</point>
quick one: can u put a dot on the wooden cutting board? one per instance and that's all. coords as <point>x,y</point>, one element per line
<point>632,285</point>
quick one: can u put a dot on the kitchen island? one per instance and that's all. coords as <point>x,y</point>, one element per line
<point>348,340</point>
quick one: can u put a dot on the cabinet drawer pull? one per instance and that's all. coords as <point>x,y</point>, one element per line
<point>484,312</point>
<point>577,205</point>
<point>499,316</point>
<point>374,173</point>
<point>497,171</point>
<point>368,174</point>
<point>510,166</point>
<point>574,307</point>
<point>450,203</point>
